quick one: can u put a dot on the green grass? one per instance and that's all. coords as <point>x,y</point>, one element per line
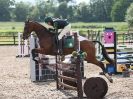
<point>8,26</point>
<point>101,26</point>
<point>14,27</point>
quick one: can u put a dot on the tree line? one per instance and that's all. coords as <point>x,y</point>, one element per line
<point>93,11</point>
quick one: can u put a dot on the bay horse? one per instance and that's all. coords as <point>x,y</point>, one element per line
<point>46,45</point>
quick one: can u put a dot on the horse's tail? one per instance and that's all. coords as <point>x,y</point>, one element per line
<point>105,54</point>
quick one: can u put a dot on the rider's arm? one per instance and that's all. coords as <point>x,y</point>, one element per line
<point>48,26</point>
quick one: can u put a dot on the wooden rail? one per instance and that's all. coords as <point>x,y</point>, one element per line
<point>65,70</point>
<point>9,40</point>
<point>67,78</point>
<point>67,86</point>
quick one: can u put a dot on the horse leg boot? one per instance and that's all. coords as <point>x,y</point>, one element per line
<point>101,65</point>
<point>35,52</point>
<point>106,74</point>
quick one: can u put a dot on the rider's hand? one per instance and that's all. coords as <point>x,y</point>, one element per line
<point>52,30</point>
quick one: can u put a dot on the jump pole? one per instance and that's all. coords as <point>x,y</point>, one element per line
<point>19,45</point>
<point>32,63</point>
<point>23,47</point>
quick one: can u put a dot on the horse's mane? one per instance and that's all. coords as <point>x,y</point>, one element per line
<point>43,27</point>
<point>39,24</point>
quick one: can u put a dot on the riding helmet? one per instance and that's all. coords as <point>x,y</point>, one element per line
<point>48,19</point>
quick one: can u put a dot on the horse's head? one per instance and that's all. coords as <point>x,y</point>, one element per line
<point>28,28</point>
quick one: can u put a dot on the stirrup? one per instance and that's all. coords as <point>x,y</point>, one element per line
<point>62,58</point>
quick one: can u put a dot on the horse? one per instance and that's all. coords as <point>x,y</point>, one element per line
<point>46,43</point>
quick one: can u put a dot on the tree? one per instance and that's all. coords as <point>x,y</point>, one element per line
<point>64,1</point>
<point>5,6</point>
<point>21,11</point>
<point>97,10</point>
<point>62,10</point>
<point>119,9</point>
<point>108,7</point>
<point>34,13</point>
<point>70,16</point>
<point>46,8</point>
<point>83,12</point>
<point>129,15</point>
<point>40,4</point>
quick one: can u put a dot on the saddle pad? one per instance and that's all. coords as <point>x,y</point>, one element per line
<point>81,38</point>
<point>68,42</point>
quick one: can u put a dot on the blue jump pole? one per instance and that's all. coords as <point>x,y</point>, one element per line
<point>124,52</point>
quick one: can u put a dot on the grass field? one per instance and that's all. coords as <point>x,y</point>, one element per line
<point>11,27</point>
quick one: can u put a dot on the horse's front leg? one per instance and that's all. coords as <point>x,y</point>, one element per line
<point>35,51</point>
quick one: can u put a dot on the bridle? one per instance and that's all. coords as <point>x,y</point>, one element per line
<point>26,30</point>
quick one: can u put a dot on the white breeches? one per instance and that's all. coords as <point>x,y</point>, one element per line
<point>64,31</point>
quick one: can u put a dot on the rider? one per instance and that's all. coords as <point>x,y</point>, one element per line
<point>58,24</point>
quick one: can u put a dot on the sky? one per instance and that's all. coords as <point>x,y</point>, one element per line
<point>33,1</point>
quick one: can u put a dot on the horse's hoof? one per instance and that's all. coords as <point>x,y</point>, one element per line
<point>101,73</point>
<point>111,80</point>
<point>34,60</point>
<point>62,57</point>
<point>37,58</point>
<point>110,74</point>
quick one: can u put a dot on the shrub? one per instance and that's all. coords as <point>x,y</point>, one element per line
<point>129,16</point>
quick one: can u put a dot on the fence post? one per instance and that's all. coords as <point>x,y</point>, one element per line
<point>88,34</point>
<point>14,39</point>
<point>99,39</point>
<point>79,78</point>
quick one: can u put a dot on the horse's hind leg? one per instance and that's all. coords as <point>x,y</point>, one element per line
<point>101,65</point>
<point>89,48</point>
<point>96,62</point>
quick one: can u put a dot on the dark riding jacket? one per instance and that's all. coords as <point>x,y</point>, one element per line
<point>59,23</point>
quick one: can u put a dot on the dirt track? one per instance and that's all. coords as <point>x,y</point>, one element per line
<point>15,80</point>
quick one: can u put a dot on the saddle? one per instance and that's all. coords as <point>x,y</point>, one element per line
<point>65,42</point>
